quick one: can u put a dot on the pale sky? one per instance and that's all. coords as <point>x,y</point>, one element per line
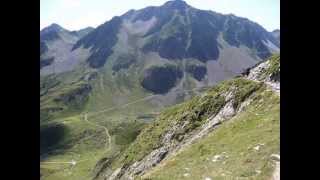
<point>77,14</point>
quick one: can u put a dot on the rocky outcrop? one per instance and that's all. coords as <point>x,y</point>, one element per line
<point>267,72</point>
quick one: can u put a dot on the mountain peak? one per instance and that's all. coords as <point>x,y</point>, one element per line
<point>55,27</point>
<point>52,28</point>
<point>176,4</point>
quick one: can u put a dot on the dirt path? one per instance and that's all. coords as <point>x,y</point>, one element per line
<point>272,86</point>
<point>108,137</point>
<point>112,108</point>
<point>73,162</point>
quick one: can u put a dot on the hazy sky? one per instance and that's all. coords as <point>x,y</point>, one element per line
<point>77,14</point>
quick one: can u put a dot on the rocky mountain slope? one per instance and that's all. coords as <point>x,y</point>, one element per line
<point>236,123</point>
<point>100,87</point>
<point>55,48</point>
<point>276,34</point>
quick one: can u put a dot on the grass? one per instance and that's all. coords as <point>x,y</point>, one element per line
<point>86,161</point>
<point>258,124</point>
<point>62,95</point>
<point>196,111</point>
<point>83,143</point>
<point>274,67</point>
<point>79,140</point>
<point>84,140</point>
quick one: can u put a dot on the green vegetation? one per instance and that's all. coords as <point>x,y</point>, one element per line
<point>123,62</point>
<point>57,98</point>
<point>234,141</point>
<point>64,98</point>
<point>74,96</point>
<point>198,71</point>
<point>160,79</point>
<point>274,67</point>
<point>76,140</point>
<point>272,70</point>
<point>195,111</point>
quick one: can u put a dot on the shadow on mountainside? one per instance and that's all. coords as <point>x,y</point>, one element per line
<point>50,138</point>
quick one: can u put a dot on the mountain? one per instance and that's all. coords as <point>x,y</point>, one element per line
<point>101,88</point>
<point>178,31</point>
<point>82,32</point>
<point>207,47</point>
<point>276,34</point>
<point>55,47</point>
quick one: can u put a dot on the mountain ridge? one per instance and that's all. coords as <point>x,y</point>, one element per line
<point>100,88</point>
<point>197,47</point>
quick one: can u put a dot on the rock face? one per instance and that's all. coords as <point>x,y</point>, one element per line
<point>100,42</point>
<point>267,72</point>
<point>56,44</point>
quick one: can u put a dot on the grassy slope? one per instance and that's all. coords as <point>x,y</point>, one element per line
<point>81,140</point>
<point>258,124</point>
<point>197,110</point>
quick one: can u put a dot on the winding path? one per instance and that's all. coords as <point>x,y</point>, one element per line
<point>72,162</point>
<point>108,137</point>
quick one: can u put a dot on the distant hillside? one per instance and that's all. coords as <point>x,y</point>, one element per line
<point>276,34</point>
